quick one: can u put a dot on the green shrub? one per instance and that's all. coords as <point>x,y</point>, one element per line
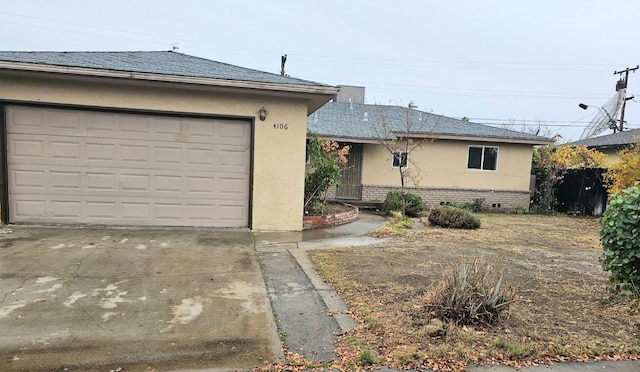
<point>475,206</point>
<point>401,222</point>
<point>471,294</point>
<point>446,216</point>
<point>413,203</point>
<point>620,237</point>
<point>365,358</point>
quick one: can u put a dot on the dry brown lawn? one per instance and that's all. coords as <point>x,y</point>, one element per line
<point>563,309</point>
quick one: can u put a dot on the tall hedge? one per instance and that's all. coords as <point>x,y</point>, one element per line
<point>620,237</point>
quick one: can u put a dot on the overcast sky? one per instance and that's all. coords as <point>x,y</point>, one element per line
<point>492,61</point>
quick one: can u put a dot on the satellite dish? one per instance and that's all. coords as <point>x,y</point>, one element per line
<point>606,117</point>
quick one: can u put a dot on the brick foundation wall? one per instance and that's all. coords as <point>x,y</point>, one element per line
<point>494,200</point>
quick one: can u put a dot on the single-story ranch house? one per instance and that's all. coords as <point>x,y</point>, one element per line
<point>151,138</point>
<point>459,161</point>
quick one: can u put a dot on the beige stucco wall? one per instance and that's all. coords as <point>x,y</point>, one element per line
<point>443,164</point>
<point>278,160</point>
<point>611,156</point>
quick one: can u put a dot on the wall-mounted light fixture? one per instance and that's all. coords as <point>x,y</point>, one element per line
<point>263,113</point>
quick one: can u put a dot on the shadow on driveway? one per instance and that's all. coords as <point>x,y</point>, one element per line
<point>99,299</point>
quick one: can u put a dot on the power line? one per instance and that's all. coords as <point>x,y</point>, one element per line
<point>316,58</point>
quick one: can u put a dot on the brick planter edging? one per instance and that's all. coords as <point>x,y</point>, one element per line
<point>328,220</point>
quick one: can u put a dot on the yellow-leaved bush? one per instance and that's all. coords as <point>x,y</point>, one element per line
<point>626,172</point>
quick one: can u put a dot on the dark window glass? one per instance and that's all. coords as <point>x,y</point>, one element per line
<point>475,158</point>
<point>399,159</point>
<point>490,158</point>
<point>485,158</point>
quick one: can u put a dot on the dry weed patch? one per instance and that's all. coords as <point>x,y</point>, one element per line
<point>562,310</point>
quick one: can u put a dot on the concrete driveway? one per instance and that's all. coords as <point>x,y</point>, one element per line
<point>136,299</point>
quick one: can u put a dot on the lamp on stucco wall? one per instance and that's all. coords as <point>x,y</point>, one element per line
<point>263,113</point>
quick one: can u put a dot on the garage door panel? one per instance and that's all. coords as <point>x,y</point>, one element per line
<point>200,212</point>
<point>169,184</point>
<point>126,169</point>
<point>201,185</point>
<point>33,180</point>
<point>200,157</point>
<point>101,125</point>
<point>230,131</point>
<point>233,159</point>
<point>25,118</point>
<point>100,152</point>
<point>200,130</point>
<point>99,182</point>
<point>26,150</point>
<point>170,127</point>
<point>31,209</point>
<point>169,211</point>
<point>64,150</point>
<point>167,156</point>
<point>63,180</point>
<point>231,213</point>
<point>30,179</point>
<point>101,210</point>
<point>137,125</point>
<point>233,187</point>
<point>125,154</point>
<point>136,154</point>
<point>135,210</point>
<point>66,209</point>
<point>135,182</point>
<point>63,120</point>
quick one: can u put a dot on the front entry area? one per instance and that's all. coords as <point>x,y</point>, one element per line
<point>351,187</point>
<point>76,166</point>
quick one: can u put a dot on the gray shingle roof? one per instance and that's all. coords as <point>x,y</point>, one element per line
<point>356,121</point>
<point>153,62</point>
<point>614,140</point>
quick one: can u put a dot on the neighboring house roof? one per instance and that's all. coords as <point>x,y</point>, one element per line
<point>168,67</point>
<point>610,141</point>
<point>356,122</point>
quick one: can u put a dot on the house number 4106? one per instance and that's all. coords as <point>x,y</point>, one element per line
<point>280,126</point>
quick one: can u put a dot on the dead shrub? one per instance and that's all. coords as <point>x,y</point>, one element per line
<point>470,293</point>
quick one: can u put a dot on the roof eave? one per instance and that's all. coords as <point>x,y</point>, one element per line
<point>320,93</point>
<point>433,136</point>
<point>526,141</point>
<point>348,139</point>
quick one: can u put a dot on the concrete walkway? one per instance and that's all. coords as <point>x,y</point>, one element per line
<point>307,310</point>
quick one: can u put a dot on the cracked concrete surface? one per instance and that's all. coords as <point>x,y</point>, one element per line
<point>94,299</point>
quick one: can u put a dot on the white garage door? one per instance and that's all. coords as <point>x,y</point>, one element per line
<point>73,166</point>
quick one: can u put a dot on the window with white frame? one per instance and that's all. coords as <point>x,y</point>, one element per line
<point>399,159</point>
<point>483,158</point>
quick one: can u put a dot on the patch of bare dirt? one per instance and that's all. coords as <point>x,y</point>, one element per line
<point>563,311</point>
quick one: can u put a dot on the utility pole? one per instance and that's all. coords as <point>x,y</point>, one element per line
<point>622,84</point>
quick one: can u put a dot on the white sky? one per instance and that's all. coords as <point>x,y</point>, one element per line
<point>493,61</point>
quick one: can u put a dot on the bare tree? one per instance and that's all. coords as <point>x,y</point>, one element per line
<point>401,131</point>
